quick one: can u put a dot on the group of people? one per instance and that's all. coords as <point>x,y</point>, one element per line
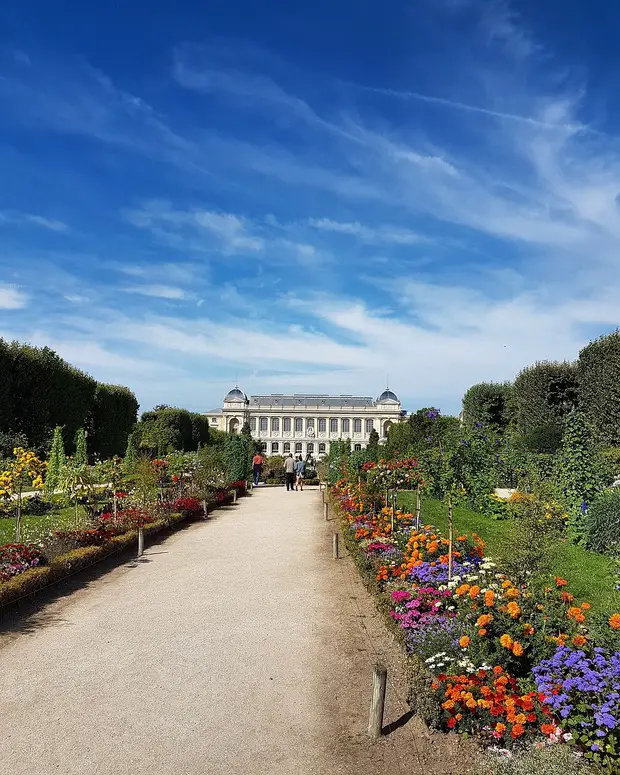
<point>294,471</point>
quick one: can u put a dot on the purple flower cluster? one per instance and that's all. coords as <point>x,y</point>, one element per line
<point>417,609</point>
<point>441,632</point>
<point>438,573</point>
<point>379,549</point>
<point>584,691</point>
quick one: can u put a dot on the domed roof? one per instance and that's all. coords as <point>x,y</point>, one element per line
<point>387,395</point>
<point>236,395</point>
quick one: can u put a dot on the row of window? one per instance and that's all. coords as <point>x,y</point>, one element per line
<point>286,448</point>
<point>299,424</point>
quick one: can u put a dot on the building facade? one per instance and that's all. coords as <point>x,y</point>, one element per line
<point>305,424</point>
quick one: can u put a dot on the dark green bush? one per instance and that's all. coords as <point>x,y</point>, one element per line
<point>542,396</point>
<point>599,385</point>
<point>487,403</point>
<point>602,523</point>
<point>167,429</point>
<point>115,412</point>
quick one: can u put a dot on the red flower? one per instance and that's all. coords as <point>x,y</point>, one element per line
<point>451,722</point>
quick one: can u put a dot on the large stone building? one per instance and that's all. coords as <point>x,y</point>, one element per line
<point>304,424</point>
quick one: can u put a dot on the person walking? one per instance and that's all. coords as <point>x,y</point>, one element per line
<point>300,470</point>
<point>257,467</point>
<point>289,472</point>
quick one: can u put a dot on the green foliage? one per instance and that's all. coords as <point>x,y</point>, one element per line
<point>81,453</point>
<point>167,429</point>
<point>599,377</point>
<point>487,403</point>
<point>56,461</point>
<point>238,451</point>
<point>548,760</point>
<point>334,465</point>
<point>542,396</point>
<point>373,445</point>
<point>424,429</point>
<point>211,472</point>
<point>602,523</point>
<point>132,452</point>
<point>114,413</point>
<point>578,471</point>
<point>474,463</point>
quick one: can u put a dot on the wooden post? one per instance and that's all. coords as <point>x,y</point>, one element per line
<point>140,542</point>
<point>326,510</point>
<point>377,702</point>
<point>417,507</point>
<point>450,537</point>
<point>235,495</point>
<point>205,508</point>
<point>335,546</point>
<point>393,509</point>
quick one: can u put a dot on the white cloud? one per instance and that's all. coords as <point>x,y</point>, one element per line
<point>12,298</point>
<point>9,216</point>
<point>382,235</point>
<point>158,291</point>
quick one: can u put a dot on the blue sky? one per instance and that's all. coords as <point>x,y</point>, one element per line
<point>309,197</point>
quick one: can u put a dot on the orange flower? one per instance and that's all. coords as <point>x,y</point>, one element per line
<point>586,606</point>
<point>482,632</point>
<point>489,598</point>
<point>498,669</point>
<point>500,728</point>
<point>517,731</point>
<point>483,620</point>
<point>474,592</point>
<point>513,609</point>
<point>614,621</point>
<point>517,649</point>
<point>506,641</point>
<point>528,629</point>
<point>521,718</point>
<point>464,641</point>
<point>560,582</point>
<point>579,641</point>
<point>512,593</point>
<point>506,583</point>
<point>548,729</point>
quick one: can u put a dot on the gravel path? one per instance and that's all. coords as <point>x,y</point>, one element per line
<point>237,646</point>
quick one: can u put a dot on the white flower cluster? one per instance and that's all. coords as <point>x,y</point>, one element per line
<point>440,659</point>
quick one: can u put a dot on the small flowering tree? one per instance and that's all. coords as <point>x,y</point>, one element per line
<point>25,470</point>
<point>76,484</point>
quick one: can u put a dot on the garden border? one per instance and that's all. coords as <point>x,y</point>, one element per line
<point>27,585</point>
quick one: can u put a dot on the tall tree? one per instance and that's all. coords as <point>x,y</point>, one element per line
<point>81,453</point>
<point>57,461</point>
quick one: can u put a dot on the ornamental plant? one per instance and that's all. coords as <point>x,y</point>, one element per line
<point>25,470</point>
<point>490,705</point>
<point>81,454</point>
<point>57,461</point>
<point>17,558</point>
<point>582,688</point>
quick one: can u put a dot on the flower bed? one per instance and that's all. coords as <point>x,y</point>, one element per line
<point>18,558</point>
<point>481,637</point>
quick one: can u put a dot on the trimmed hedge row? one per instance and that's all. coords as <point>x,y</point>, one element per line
<point>39,391</point>
<point>36,579</point>
<point>167,429</point>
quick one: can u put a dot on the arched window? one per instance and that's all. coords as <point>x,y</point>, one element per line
<point>233,426</point>
<point>287,447</point>
<point>386,427</point>
<point>310,448</point>
<point>322,425</point>
<point>333,425</point>
<point>275,448</point>
<point>286,423</point>
<point>263,424</point>
<point>299,424</point>
<point>321,449</point>
<point>369,426</point>
<point>346,426</point>
<point>298,448</point>
<point>275,424</point>
<point>357,425</point>
<point>253,424</point>
<point>357,447</point>
<point>263,446</point>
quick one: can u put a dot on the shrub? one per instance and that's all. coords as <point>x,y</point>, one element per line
<point>115,412</point>
<point>599,374</point>
<point>602,523</point>
<point>36,506</point>
<point>547,760</point>
<point>190,508</point>
<point>541,397</point>
<point>17,558</point>
<point>487,404</point>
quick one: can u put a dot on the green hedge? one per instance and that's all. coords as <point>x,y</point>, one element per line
<point>168,429</point>
<point>599,384</point>
<point>115,412</point>
<point>542,396</point>
<point>39,391</point>
<point>487,403</point>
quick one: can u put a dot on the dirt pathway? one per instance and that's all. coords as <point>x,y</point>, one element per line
<point>237,646</point>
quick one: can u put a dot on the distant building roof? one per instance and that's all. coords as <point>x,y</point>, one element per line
<point>236,395</point>
<point>387,395</point>
<point>310,399</point>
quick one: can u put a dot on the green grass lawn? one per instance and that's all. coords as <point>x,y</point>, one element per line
<point>589,575</point>
<point>35,528</point>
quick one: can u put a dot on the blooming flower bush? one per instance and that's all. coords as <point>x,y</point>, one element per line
<point>17,558</point>
<point>482,636</point>
<point>583,690</point>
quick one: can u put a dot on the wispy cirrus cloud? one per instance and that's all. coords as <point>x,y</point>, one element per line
<point>379,235</point>
<point>158,291</point>
<point>28,219</point>
<point>12,298</point>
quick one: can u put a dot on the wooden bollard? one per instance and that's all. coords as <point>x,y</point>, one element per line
<point>235,495</point>
<point>326,510</point>
<point>377,702</point>
<point>140,542</point>
<point>335,546</point>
